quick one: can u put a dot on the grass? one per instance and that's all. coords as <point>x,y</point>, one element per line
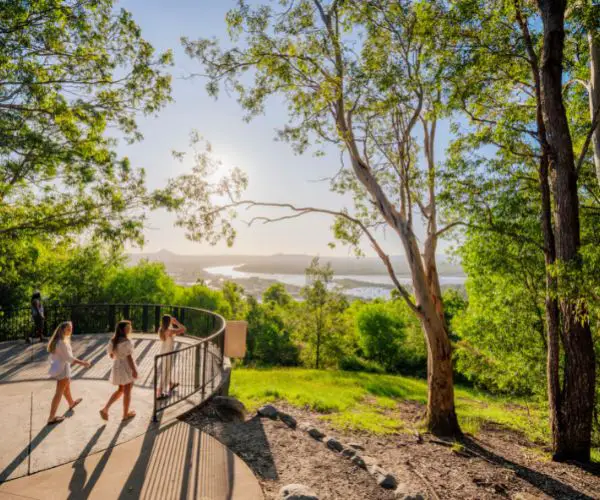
<point>368,402</point>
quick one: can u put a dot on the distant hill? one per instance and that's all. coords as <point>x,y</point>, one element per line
<point>282,263</point>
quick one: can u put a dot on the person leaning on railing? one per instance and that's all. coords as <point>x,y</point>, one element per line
<point>168,329</point>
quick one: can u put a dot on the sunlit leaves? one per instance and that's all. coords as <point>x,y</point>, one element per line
<point>71,75</point>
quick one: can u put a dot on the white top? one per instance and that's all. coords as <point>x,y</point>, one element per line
<point>60,360</point>
<point>168,344</point>
<point>121,373</point>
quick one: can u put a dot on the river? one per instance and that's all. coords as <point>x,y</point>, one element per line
<point>367,291</point>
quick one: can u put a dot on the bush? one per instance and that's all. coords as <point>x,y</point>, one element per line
<point>353,363</point>
<point>381,333</point>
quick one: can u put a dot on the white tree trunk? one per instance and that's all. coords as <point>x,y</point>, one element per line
<point>594,96</point>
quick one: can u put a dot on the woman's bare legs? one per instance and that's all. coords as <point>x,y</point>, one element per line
<point>114,397</point>
<point>60,389</point>
<point>127,401</point>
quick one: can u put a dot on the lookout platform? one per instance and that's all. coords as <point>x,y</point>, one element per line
<point>86,457</point>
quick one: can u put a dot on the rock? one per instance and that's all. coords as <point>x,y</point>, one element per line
<point>405,492</point>
<point>268,411</point>
<point>358,460</point>
<point>387,481</point>
<point>230,404</point>
<point>297,492</point>
<point>348,452</point>
<point>288,420</point>
<point>356,446</point>
<point>315,433</point>
<point>334,444</point>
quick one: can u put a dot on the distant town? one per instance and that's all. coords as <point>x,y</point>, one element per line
<point>357,277</point>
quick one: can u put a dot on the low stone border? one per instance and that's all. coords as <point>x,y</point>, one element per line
<point>351,451</point>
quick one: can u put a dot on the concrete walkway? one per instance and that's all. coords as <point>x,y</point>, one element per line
<point>167,459</point>
<point>174,462</point>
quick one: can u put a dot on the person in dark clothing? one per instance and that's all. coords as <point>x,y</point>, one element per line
<point>37,315</point>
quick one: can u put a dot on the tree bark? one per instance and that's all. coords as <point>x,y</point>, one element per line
<point>441,417</point>
<point>594,95</point>
<point>575,412</point>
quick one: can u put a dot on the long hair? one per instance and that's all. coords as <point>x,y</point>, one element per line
<point>59,334</point>
<point>164,326</point>
<point>36,295</point>
<point>120,333</point>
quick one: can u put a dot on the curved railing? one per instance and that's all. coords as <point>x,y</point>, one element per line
<point>194,369</point>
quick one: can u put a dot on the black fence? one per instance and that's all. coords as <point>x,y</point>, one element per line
<point>194,369</point>
<point>17,323</point>
<point>178,374</point>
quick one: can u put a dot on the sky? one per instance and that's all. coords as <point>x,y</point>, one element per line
<point>275,173</point>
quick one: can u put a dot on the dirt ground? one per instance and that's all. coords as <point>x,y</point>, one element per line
<point>495,464</point>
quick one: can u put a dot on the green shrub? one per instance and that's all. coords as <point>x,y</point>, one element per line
<point>353,363</point>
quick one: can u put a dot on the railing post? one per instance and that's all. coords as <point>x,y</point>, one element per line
<point>197,366</point>
<point>156,318</point>
<point>204,370</point>
<point>182,315</point>
<point>112,318</point>
<point>145,318</point>
<point>154,418</point>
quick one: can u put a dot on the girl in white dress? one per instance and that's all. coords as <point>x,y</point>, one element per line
<point>124,370</point>
<point>168,329</point>
<point>61,359</point>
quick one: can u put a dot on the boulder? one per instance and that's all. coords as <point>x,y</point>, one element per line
<point>297,492</point>
<point>230,403</point>
<point>356,446</point>
<point>268,411</point>
<point>358,460</point>
<point>288,420</point>
<point>387,481</point>
<point>334,444</point>
<point>315,433</point>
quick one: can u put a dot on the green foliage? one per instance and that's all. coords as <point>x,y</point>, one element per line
<point>354,363</point>
<point>146,283</point>
<point>233,295</point>
<point>381,334</point>
<point>502,337</point>
<point>204,298</point>
<point>269,339</point>
<point>321,327</point>
<point>71,71</point>
<point>277,294</point>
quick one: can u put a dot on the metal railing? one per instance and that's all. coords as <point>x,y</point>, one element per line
<point>17,323</point>
<point>196,368</point>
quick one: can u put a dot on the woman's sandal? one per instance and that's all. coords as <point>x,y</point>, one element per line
<point>129,416</point>
<point>103,415</point>
<point>55,420</point>
<point>75,403</point>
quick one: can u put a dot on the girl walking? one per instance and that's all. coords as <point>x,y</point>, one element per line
<point>61,359</point>
<point>168,329</point>
<point>124,370</point>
